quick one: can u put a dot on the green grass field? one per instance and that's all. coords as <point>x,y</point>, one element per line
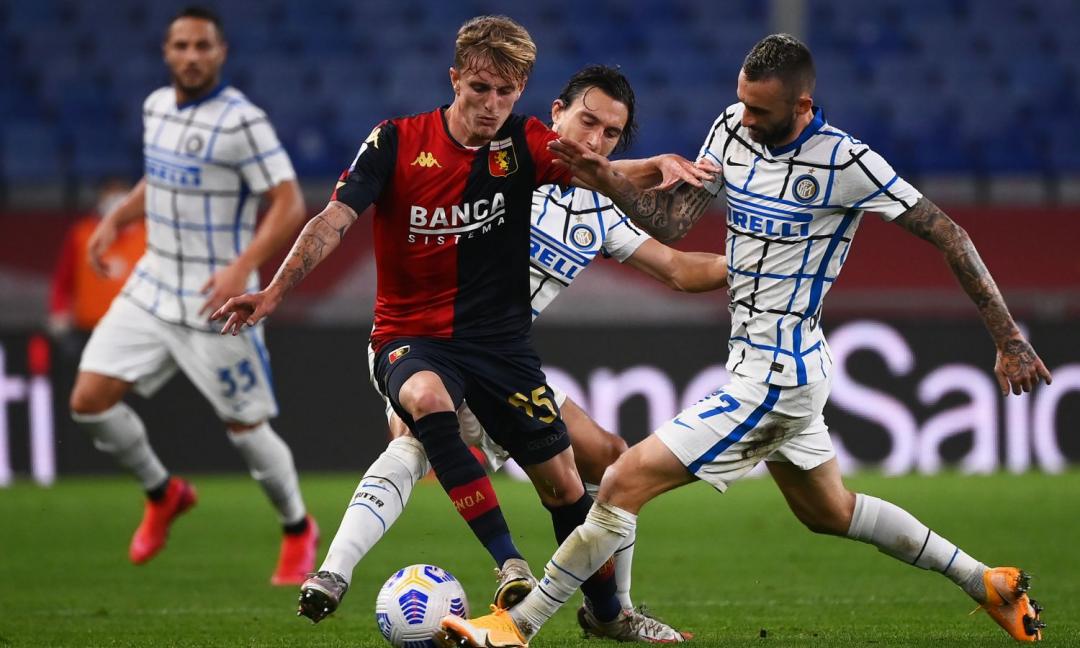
<point>728,567</point>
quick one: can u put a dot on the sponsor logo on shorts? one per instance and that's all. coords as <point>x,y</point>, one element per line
<point>396,354</point>
<point>543,442</point>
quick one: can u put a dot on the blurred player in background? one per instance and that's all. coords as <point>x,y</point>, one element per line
<point>570,227</point>
<point>452,191</point>
<point>209,154</point>
<point>81,292</point>
<point>796,189</point>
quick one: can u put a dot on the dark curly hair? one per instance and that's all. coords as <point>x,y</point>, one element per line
<point>614,84</point>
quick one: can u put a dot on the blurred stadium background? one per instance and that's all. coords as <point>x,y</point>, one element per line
<point>976,102</point>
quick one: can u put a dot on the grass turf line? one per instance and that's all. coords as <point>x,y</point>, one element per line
<point>723,566</point>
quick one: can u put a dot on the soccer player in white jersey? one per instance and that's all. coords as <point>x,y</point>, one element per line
<point>209,154</point>
<point>796,188</point>
<point>569,229</point>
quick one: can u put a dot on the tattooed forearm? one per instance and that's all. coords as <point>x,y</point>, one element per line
<point>667,215</point>
<point>928,222</point>
<point>316,241</point>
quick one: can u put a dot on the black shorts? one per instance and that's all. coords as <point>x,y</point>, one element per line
<point>502,383</point>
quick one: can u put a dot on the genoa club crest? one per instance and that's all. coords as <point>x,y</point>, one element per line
<point>501,159</point>
<point>396,354</point>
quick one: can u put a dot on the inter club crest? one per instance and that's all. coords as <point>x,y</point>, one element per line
<point>501,159</point>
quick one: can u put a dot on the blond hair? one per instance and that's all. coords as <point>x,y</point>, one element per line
<point>495,43</point>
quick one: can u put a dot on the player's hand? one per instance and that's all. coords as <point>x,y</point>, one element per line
<point>675,169</point>
<point>100,241</point>
<point>585,165</point>
<point>1018,367</point>
<point>246,309</point>
<point>227,282</point>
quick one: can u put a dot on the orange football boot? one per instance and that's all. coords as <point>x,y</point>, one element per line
<point>158,516</point>
<point>1008,604</point>
<point>496,630</point>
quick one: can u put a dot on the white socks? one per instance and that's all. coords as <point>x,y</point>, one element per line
<point>120,432</point>
<point>897,533</point>
<point>376,504</point>
<point>624,559</point>
<point>590,545</point>
<point>271,464</point>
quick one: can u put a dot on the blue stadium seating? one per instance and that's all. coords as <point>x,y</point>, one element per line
<point>935,84</point>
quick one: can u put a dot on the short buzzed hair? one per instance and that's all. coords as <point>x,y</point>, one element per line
<point>201,13</point>
<point>495,43</point>
<point>785,57</point>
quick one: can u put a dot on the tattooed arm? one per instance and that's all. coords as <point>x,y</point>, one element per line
<point>316,241</point>
<point>666,212</point>
<point>1017,364</point>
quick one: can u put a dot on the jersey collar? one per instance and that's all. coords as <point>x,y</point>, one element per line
<point>811,129</point>
<point>218,89</point>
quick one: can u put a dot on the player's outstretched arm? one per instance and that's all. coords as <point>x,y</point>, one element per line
<point>284,214</point>
<point>131,208</point>
<point>317,240</point>
<point>683,271</point>
<point>667,214</point>
<point>1017,367</point>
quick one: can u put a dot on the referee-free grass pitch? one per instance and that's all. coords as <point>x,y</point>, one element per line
<point>736,569</point>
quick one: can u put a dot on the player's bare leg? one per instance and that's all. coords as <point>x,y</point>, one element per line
<point>819,499</point>
<point>97,407</point>
<point>270,462</point>
<point>594,447</point>
<point>644,472</point>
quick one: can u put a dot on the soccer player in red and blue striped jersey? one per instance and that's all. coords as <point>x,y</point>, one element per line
<point>452,193</point>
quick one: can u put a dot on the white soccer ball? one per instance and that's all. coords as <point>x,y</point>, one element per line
<point>413,601</point>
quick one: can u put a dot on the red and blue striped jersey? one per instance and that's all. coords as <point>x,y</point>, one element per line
<point>451,225</point>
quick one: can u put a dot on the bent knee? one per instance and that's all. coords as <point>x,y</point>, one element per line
<point>826,521</point>
<point>420,402</point>
<point>86,402</point>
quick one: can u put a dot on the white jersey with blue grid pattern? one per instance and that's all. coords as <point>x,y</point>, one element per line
<point>792,213</point>
<point>206,162</point>
<point>569,228</point>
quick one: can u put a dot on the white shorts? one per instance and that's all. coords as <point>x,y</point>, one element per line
<point>233,373</point>
<point>723,436</point>
<point>471,431</point>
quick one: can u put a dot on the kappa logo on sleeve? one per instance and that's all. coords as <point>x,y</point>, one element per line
<point>501,158</point>
<point>397,353</point>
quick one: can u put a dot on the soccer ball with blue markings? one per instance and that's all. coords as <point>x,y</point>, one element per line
<point>413,601</point>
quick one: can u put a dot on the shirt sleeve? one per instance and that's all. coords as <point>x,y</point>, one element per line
<point>265,163</point>
<point>623,238</point>
<point>537,135</point>
<point>363,182</point>
<point>870,184</point>
<point>713,151</point>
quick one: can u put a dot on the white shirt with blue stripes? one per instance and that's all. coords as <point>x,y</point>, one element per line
<point>791,215</point>
<point>569,228</point>
<point>206,162</point>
